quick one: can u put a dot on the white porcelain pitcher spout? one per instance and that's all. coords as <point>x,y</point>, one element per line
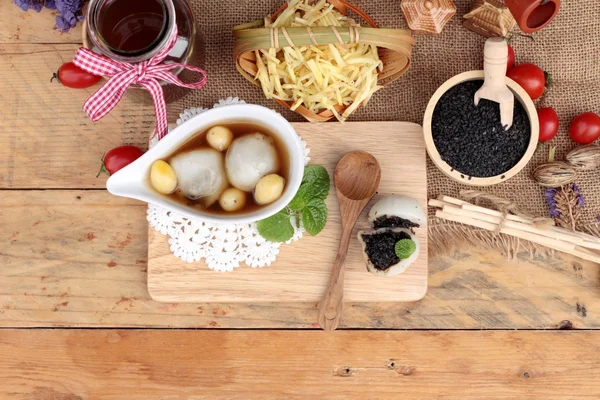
<point>134,180</point>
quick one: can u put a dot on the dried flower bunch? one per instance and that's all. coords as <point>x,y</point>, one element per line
<point>69,11</point>
<point>565,204</point>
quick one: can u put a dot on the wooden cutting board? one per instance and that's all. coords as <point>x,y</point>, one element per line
<point>302,268</point>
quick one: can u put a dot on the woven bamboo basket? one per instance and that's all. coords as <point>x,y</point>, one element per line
<point>394,48</point>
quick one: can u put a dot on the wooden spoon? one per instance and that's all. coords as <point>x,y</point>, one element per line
<point>494,86</point>
<point>356,179</point>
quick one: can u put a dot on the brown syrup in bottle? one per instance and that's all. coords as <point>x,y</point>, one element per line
<point>132,27</point>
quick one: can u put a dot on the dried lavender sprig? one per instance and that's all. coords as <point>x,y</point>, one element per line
<point>27,5</point>
<point>551,201</point>
<point>569,201</point>
<point>580,198</point>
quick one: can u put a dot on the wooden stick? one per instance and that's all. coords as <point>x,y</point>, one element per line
<point>496,213</point>
<point>520,226</point>
<point>472,207</point>
<point>538,239</point>
<point>440,204</point>
<point>452,200</point>
<point>563,231</point>
<point>543,240</point>
<point>444,200</point>
<point>584,236</point>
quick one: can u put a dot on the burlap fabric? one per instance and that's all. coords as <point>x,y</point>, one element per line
<point>569,49</point>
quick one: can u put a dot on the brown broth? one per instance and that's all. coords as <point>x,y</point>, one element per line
<point>239,129</point>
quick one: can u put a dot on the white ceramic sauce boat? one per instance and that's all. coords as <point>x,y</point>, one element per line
<point>134,180</point>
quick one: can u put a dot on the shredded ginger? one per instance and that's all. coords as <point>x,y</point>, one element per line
<point>318,77</point>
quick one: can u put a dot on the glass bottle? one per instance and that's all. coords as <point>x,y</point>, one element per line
<point>133,31</point>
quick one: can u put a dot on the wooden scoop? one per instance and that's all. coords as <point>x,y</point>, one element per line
<point>494,87</point>
<point>356,179</point>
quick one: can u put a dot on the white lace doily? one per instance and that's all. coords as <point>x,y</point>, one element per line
<point>222,247</point>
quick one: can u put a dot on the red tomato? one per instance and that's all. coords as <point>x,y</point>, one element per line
<point>71,76</point>
<point>585,128</point>
<point>530,77</point>
<point>548,123</point>
<point>119,157</point>
<point>511,58</point>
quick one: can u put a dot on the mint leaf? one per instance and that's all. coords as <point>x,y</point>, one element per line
<point>313,173</point>
<point>320,190</point>
<point>317,178</point>
<point>277,228</point>
<point>404,248</point>
<point>315,185</point>
<point>308,201</point>
<point>301,198</point>
<point>314,216</point>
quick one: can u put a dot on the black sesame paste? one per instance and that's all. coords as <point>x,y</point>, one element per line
<point>386,221</point>
<point>381,248</point>
<point>471,139</point>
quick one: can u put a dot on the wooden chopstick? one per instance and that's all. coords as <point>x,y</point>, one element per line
<point>582,235</point>
<point>521,226</point>
<point>574,243</point>
<point>450,201</point>
<point>538,239</point>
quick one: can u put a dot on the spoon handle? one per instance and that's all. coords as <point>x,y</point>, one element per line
<point>330,308</point>
<point>495,57</point>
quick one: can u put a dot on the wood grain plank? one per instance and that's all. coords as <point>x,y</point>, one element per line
<point>302,269</point>
<point>105,365</point>
<point>69,261</point>
<point>17,26</point>
<point>46,140</point>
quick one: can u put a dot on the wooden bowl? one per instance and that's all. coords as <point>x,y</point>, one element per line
<point>394,48</point>
<point>460,177</point>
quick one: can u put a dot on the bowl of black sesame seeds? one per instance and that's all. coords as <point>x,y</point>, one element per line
<point>468,143</point>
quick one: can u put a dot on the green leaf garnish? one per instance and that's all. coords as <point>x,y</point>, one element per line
<point>317,178</point>
<point>405,248</point>
<point>314,216</point>
<point>301,198</point>
<point>277,228</point>
<point>313,173</point>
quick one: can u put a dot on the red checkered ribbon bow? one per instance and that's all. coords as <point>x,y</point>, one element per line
<point>122,75</point>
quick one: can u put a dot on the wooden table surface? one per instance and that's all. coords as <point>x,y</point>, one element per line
<point>72,256</point>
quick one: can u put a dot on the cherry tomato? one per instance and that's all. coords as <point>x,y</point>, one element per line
<point>530,77</point>
<point>118,158</point>
<point>548,123</point>
<point>71,76</point>
<point>585,128</point>
<point>511,58</point>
